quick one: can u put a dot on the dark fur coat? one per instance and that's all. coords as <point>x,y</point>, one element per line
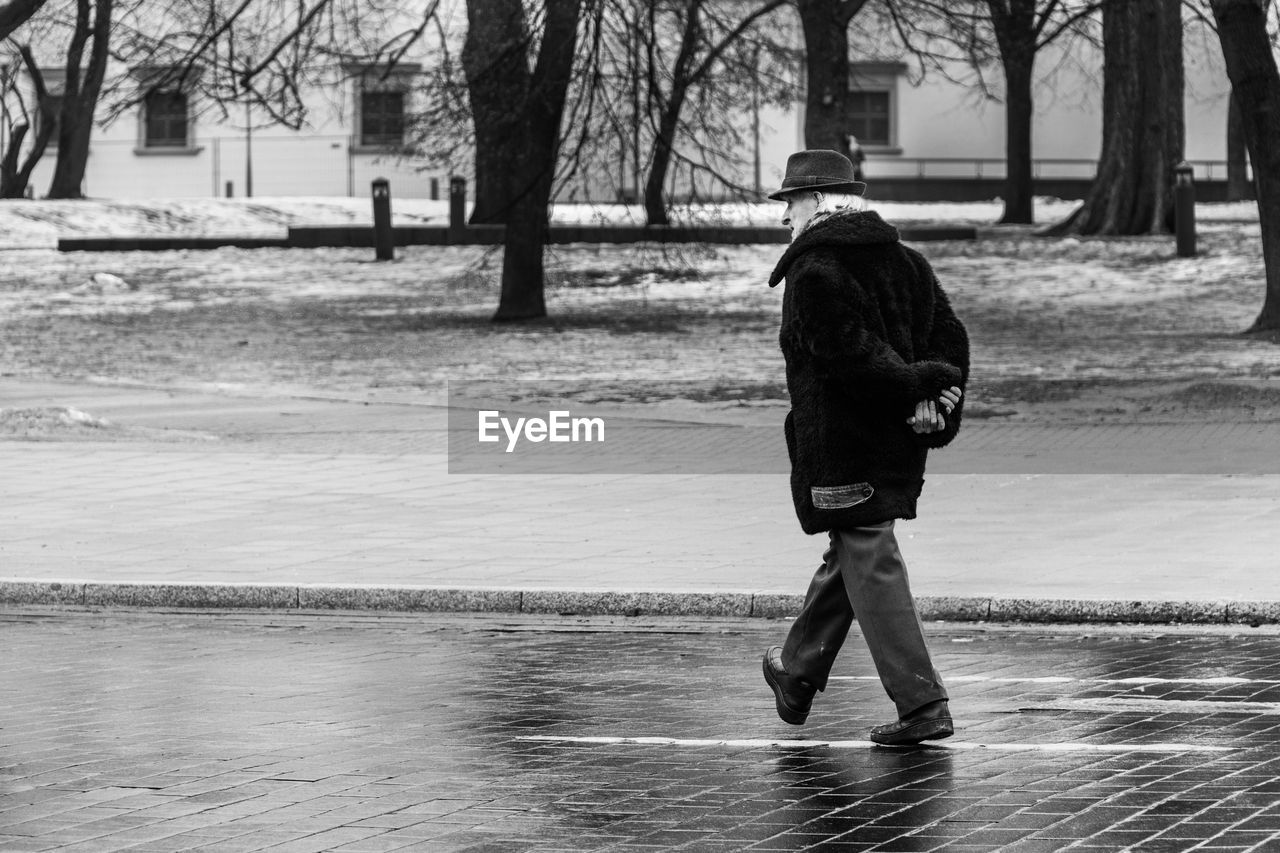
<point>867,333</point>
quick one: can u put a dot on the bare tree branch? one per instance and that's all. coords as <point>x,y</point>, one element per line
<point>714,54</point>
<point>15,13</point>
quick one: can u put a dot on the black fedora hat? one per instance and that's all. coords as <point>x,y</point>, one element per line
<point>819,169</point>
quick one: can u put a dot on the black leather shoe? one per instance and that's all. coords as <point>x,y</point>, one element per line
<point>932,722</point>
<point>792,696</point>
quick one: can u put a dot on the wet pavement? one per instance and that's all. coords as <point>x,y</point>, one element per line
<point>171,731</point>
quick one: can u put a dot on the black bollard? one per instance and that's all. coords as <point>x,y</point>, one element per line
<point>1184,209</point>
<point>457,207</point>
<point>383,237</point>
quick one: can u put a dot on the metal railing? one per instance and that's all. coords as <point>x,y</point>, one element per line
<point>995,168</point>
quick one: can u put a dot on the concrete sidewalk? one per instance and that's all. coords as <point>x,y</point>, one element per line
<point>207,500</point>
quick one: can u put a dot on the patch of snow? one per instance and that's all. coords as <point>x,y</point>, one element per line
<point>48,419</point>
<point>330,318</point>
<point>104,282</point>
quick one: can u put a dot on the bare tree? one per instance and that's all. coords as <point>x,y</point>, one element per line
<point>19,161</point>
<point>15,13</point>
<point>1143,127</point>
<point>220,53</point>
<point>1023,28</point>
<point>84,78</point>
<point>270,55</point>
<point>718,142</point>
<point>521,94</point>
<point>1255,82</point>
<point>495,57</point>
<point>826,42</point>
<point>1238,186</point>
<point>660,108</point>
<point>517,64</point>
<point>706,33</point>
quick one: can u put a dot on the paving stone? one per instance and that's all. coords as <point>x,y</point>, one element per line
<point>339,730</point>
<point>1033,845</point>
<point>906,844</point>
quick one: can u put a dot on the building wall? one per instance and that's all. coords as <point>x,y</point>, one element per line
<point>295,165</point>
<point>324,160</point>
<point>941,130</point>
<point>938,119</point>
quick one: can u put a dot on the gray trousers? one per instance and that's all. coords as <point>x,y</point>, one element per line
<point>863,573</point>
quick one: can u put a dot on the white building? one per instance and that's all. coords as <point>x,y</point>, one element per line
<point>930,138</point>
<point>169,147</point>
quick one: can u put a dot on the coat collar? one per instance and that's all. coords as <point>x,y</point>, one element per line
<point>857,228</point>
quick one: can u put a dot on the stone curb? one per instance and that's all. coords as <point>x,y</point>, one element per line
<point>609,603</point>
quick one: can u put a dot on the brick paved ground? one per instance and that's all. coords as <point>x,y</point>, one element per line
<point>164,732</point>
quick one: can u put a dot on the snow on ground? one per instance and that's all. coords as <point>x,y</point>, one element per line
<point>624,319</point>
<point>39,224</point>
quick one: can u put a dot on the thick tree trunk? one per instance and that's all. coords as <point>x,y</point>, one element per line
<point>15,177</point>
<point>1014,22</point>
<point>80,99</point>
<point>532,171</point>
<point>494,59</point>
<point>826,47</point>
<point>9,183</point>
<point>1019,191</point>
<point>15,13</point>
<point>15,170</point>
<point>523,267</point>
<point>72,161</point>
<point>493,191</point>
<point>1256,84</point>
<point>1238,186</point>
<point>655,207</point>
<point>1143,129</point>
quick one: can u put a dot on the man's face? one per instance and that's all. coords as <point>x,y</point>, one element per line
<point>801,207</point>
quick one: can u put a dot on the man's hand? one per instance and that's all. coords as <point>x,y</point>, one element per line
<point>931,415</point>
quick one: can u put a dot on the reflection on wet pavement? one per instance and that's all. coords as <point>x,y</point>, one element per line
<point>168,732</point>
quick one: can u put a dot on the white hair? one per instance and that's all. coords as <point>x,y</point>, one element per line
<point>831,202</point>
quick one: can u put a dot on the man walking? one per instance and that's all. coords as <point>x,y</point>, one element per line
<point>876,366</point>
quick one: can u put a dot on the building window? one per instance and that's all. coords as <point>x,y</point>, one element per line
<point>166,126</point>
<point>869,117</point>
<point>381,118</point>
<point>872,104</point>
<point>382,103</point>
<point>166,120</point>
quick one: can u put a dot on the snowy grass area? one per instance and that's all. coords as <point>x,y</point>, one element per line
<point>39,224</point>
<point>627,322</point>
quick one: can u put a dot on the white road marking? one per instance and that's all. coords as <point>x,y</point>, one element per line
<point>1167,706</point>
<point>764,743</point>
<point>1055,679</point>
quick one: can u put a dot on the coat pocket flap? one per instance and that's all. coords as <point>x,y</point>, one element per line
<point>840,497</point>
